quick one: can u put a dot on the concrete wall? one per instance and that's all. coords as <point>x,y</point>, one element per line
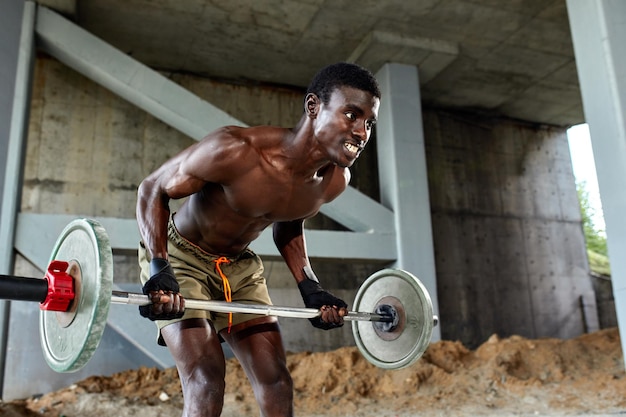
<point>509,246</point>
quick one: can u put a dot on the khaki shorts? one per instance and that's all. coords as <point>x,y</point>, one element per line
<point>199,279</point>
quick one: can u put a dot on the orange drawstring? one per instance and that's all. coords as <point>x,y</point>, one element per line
<point>227,292</point>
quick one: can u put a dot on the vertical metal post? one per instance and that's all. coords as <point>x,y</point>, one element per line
<point>599,33</point>
<point>16,116</point>
<point>403,173</point>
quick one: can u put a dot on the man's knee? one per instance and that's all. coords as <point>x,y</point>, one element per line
<point>203,389</point>
<point>285,383</point>
<point>204,380</point>
<point>277,380</point>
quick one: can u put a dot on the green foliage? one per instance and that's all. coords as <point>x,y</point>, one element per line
<point>599,263</point>
<point>595,238</point>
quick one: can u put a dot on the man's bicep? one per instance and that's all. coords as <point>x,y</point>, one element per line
<point>288,228</point>
<point>170,181</point>
<point>285,232</point>
<point>182,185</point>
<point>198,165</point>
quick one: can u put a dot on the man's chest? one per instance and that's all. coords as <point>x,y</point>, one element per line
<point>277,199</point>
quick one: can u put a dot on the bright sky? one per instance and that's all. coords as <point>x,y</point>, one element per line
<point>585,168</point>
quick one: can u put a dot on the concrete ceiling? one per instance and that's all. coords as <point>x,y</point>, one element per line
<point>513,57</point>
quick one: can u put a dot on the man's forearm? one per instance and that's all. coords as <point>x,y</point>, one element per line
<point>152,217</point>
<point>289,239</point>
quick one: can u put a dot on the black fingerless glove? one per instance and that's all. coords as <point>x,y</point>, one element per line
<point>161,278</point>
<point>315,296</point>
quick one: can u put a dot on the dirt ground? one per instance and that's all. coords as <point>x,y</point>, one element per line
<point>503,377</point>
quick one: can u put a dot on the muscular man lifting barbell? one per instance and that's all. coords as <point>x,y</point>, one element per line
<point>239,181</point>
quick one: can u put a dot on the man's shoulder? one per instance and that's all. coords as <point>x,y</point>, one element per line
<point>235,144</point>
<point>252,136</point>
<point>263,135</point>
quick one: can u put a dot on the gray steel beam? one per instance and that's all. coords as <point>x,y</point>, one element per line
<point>403,173</point>
<point>18,132</point>
<point>17,119</point>
<point>37,233</point>
<point>599,34</point>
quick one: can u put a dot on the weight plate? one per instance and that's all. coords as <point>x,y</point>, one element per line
<point>407,342</point>
<point>69,339</point>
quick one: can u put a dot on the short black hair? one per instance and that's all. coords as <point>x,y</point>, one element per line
<point>342,74</point>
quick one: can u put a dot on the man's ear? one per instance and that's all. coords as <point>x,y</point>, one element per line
<point>311,105</point>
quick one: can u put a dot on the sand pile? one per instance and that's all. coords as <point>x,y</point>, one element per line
<point>512,376</point>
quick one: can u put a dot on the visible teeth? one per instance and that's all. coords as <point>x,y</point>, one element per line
<point>352,148</point>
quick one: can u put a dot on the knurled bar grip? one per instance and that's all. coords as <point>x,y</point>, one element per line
<point>120,297</point>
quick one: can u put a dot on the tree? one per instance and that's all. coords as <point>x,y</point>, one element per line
<point>594,237</point>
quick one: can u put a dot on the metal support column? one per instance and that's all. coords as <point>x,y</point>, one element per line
<point>403,173</point>
<point>599,33</point>
<point>17,22</point>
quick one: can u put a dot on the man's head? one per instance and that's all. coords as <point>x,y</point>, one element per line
<point>342,106</point>
<point>340,75</point>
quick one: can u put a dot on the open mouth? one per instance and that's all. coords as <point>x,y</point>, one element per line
<point>352,148</point>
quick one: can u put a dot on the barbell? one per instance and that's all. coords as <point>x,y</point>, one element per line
<point>392,324</point>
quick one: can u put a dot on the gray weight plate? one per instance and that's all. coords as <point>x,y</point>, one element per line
<point>69,339</point>
<point>406,343</point>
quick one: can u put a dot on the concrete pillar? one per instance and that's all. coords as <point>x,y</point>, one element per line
<point>403,173</point>
<point>599,34</point>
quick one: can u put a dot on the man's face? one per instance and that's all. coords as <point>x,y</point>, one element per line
<point>345,123</point>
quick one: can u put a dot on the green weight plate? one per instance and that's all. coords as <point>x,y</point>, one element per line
<point>406,343</point>
<point>69,339</point>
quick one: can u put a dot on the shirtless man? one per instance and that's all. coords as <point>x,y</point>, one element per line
<point>238,182</point>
